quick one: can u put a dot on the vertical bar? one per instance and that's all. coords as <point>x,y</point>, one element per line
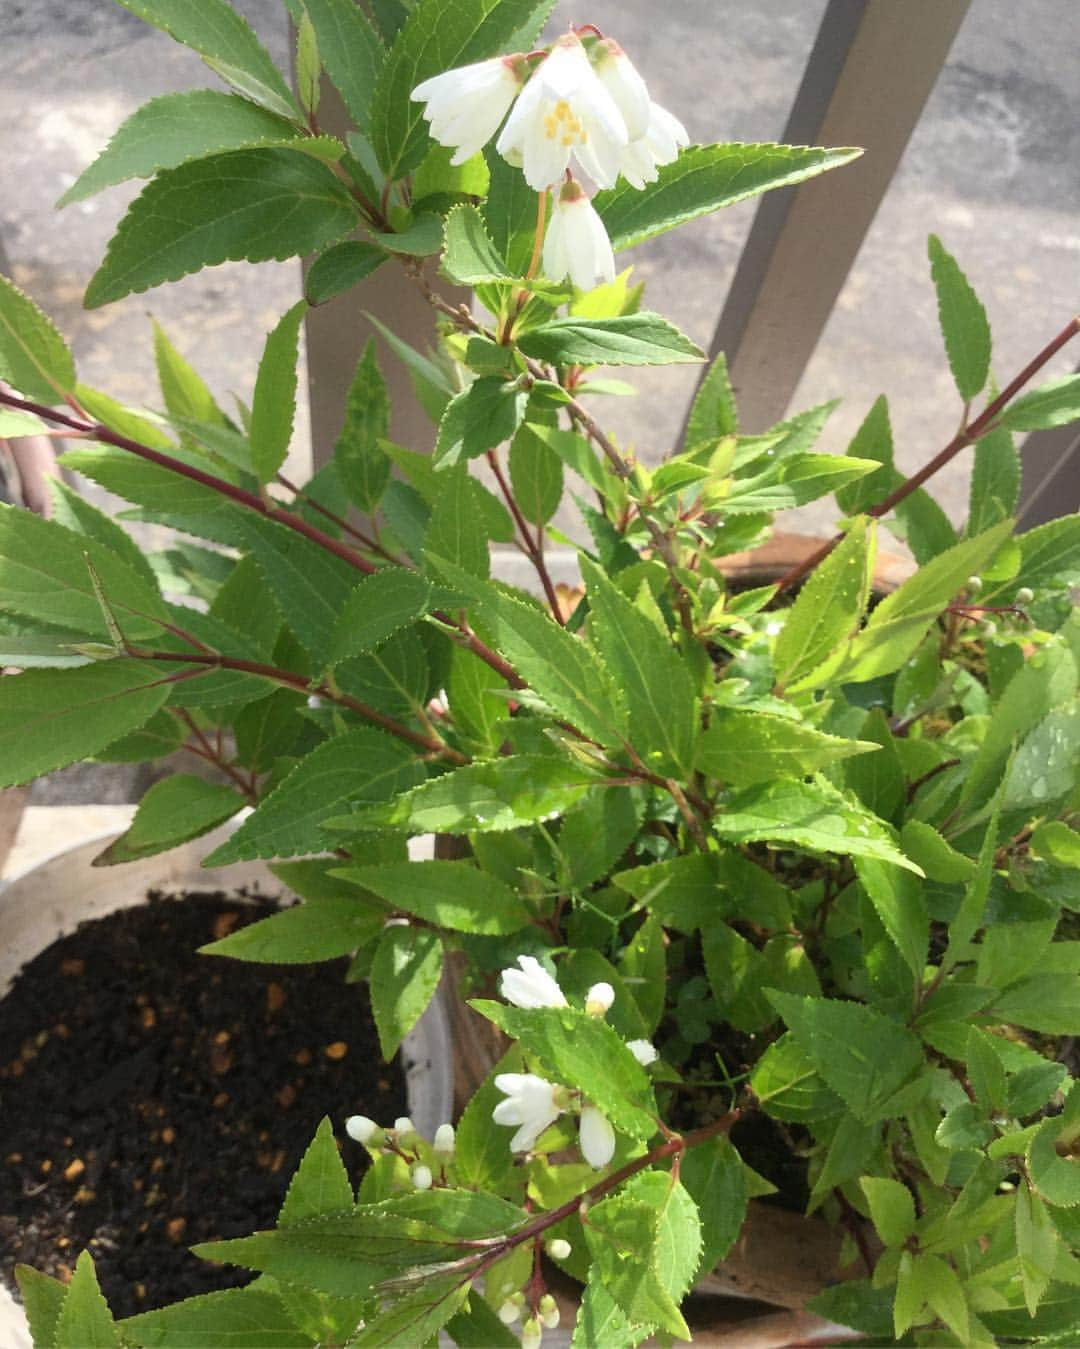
<point>867,79</point>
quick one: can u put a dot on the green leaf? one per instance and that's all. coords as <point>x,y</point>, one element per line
<point>815,816</point>
<point>793,481</point>
<point>788,1086</point>
<point>878,779</point>
<point>237,1318</point>
<point>470,257</point>
<point>715,1177</point>
<point>1055,841</point>
<point>873,440</point>
<point>478,1327</point>
<point>482,1161</point>
<point>1055,403</point>
<point>225,42</point>
<point>274,404</point>
<point>74,512</point>
<point>1046,1003</point>
<point>251,205</point>
<point>892,1208</point>
<point>1047,765</point>
<point>643,963</point>
<point>452,532</point>
<point>558,666</point>
<point>340,268</point>
<point>170,130</point>
<point>43,1299</point>
<point>986,1072</point>
<point>737,972</point>
<point>438,35</point>
<point>510,214</point>
<point>938,859</point>
<point>586,1053</point>
<point>898,897</point>
<point>634,339</point>
<point>363,467</point>
<point>995,481</point>
<point>455,895</point>
<point>849,1153</point>
<point>1037,1246</point>
<point>430,382</point>
<point>174,810</point>
<point>33,355</point>
<point>320,929</point>
<point>743,747</point>
<point>712,413</point>
<point>536,475</point>
<point>439,181</point>
<point>51,718</point>
<point>488,412</point>
<point>941,1287</point>
<point>416,1318</point>
<point>969,916</point>
<point>350,50</point>
<point>308,69</point>
<point>863,1056</point>
<point>705,178</point>
<point>379,606</point>
<point>1050,554</point>
<point>963,322</point>
<point>601,1320</point>
<point>902,619</point>
<point>507,793</point>
<point>827,611</point>
<point>405,973</point>
<point>421,237</point>
<point>655,682</point>
<point>85,1321</point>
<point>354,768</point>
<point>183,389</point>
<point>1056,1177</point>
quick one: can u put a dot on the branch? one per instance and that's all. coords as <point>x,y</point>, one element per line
<point>206,751</point>
<point>533,550</point>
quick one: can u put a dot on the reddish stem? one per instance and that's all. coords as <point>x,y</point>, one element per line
<point>533,550</point>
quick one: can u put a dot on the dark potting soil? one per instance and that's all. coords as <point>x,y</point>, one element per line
<point>152,1098</point>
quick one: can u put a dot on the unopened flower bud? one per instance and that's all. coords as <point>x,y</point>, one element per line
<point>404,1131</point>
<point>598,999</point>
<point>548,1312</point>
<point>988,627</point>
<point>421,1177</point>
<point>314,701</point>
<point>559,1249</point>
<point>510,1310</point>
<point>643,1051</point>
<point>531,1333</point>
<point>974,584</point>
<point>1024,595</point>
<point>363,1130</point>
<point>444,1139</point>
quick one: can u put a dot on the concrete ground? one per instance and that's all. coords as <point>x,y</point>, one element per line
<point>991,168</point>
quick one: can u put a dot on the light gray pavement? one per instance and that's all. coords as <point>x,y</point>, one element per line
<point>994,168</point>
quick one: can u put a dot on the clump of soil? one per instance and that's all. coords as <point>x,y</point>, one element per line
<point>152,1098</point>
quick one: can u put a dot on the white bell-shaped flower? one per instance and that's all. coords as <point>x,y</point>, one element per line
<point>596,1137</point>
<point>530,986</point>
<point>577,244</point>
<point>640,161</point>
<point>465,106</point>
<point>643,1051</point>
<point>564,111</point>
<point>619,76</point>
<point>598,999</point>
<point>531,1103</point>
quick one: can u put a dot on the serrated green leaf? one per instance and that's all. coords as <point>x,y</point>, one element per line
<point>405,973</point>
<point>969,916</point>
<point>379,606</point>
<point>452,530</point>
<point>873,440</point>
<point>476,1326</point>
<point>1050,554</point>
<point>251,205</point>
<point>322,929</point>
<point>963,321</point>
<point>340,268</point>
<point>1041,1002</point>
<point>940,1286</point>
<point>601,1320</point>
<point>1037,1246</point>
<point>16,423</point>
<point>897,895</point>
<point>350,50</point>
<point>705,178</point>
<point>1046,767</point>
<point>743,747</point>
<point>583,1052</point>
<point>715,1178</point>
<point>995,481</point>
<point>363,467</point>
<point>320,1185</point>
<point>356,767</point>
<point>438,35</point>
<point>643,966</point>
<point>274,404</point>
<point>985,1070</point>
<point>863,1056</point>
<point>737,973</point>
<point>237,1318</point>
<point>226,43</point>
<point>85,1321</point>
<point>793,481</point>
<point>43,1299</point>
<point>787,1085</point>
<point>454,895</point>
<point>712,413</point>
<point>536,475</point>
<point>421,237</point>
<point>633,339</point>
<point>892,1208</point>
<point>510,213</point>
<point>416,1318</point>
<point>848,1155</point>
<point>431,383</point>
<point>174,810</point>
<point>33,355</point>
<point>1056,1177</point>
<point>74,512</point>
<point>470,257</point>
<point>438,178</point>
<point>487,413</point>
<point>1055,403</point>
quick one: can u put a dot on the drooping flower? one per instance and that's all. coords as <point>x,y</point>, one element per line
<point>643,1051</point>
<point>564,111</point>
<point>559,1249</point>
<point>548,1311</point>
<point>664,137</point>
<point>444,1140</point>
<point>530,986</point>
<point>421,1177</point>
<point>531,1102</point>
<point>531,1333</point>
<point>576,243</point>
<point>465,106</point>
<point>596,1137</point>
<point>598,999</point>
<point>620,77</point>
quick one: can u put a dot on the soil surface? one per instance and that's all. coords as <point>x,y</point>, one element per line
<point>152,1098</point>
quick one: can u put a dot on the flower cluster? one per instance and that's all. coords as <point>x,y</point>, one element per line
<point>582,105</point>
<point>533,1103</point>
<point>404,1141</point>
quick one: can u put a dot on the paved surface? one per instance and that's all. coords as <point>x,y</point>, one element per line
<point>992,168</point>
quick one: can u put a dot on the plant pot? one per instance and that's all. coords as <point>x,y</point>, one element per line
<point>53,897</point>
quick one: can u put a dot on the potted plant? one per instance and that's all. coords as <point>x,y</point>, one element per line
<point>769,891</point>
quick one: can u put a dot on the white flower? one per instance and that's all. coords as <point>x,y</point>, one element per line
<point>530,1102</point>
<point>564,110</point>
<point>596,1137</point>
<point>548,1311</point>
<point>510,1310</point>
<point>466,105</point>
<point>531,1334</point>
<point>444,1139</point>
<point>363,1130</point>
<point>531,986</point>
<point>421,1177</point>
<point>620,78</point>
<point>403,1127</point>
<point>599,999</point>
<point>559,1249</point>
<point>576,243</point>
<point>661,143</point>
<point>643,1051</point>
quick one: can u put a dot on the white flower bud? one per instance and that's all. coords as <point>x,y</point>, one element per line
<point>559,1249</point>
<point>596,1137</point>
<point>530,986</point>
<point>363,1130</point>
<point>974,584</point>
<point>403,1128</point>
<point>421,1177</point>
<point>509,1312</point>
<point>548,1311</point>
<point>988,627</point>
<point>643,1051</point>
<point>314,701</point>
<point>444,1139</point>
<point>1024,595</point>
<point>531,1334</point>
<point>598,999</point>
